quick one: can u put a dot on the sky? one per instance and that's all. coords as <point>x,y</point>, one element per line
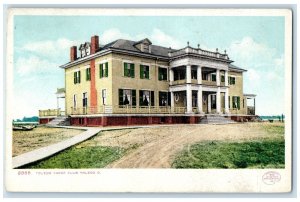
<point>42,43</point>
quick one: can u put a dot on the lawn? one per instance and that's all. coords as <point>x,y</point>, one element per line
<point>25,141</point>
<point>260,153</point>
<point>81,157</point>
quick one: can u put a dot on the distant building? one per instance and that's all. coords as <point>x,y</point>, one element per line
<point>135,82</point>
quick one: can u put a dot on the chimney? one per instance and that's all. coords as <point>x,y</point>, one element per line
<point>94,44</point>
<point>73,53</point>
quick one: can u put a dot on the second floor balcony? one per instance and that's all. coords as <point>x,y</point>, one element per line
<point>207,76</point>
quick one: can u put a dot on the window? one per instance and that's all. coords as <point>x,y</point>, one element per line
<point>144,72</point>
<point>103,70</point>
<point>127,97</point>
<point>88,74</point>
<point>213,101</point>
<point>77,77</point>
<point>194,74</point>
<point>84,100</point>
<point>236,102</point>
<point>213,77</point>
<point>162,74</point>
<point>222,78</point>
<point>104,96</point>
<point>204,76</point>
<point>231,80</point>
<point>82,52</point>
<point>74,101</point>
<point>163,98</point>
<point>129,70</point>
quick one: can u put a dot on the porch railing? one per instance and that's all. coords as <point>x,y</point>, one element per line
<point>127,109</point>
<point>51,112</point>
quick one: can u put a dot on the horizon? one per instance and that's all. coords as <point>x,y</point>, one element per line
<point>38,55</point>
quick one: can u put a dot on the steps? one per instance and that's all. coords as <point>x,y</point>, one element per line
<point>59,121</point>
<point>215,119</point>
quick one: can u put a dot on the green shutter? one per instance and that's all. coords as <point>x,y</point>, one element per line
<point>228,102</point>
<point>75,78</point>
<point>79,77</point>
<point>141,71</point>
<point>133,92</point>
<point>238,102</point>
<point>101,70</point>
<point>159,74</point>
<point>125,69</point>
<point>141,97</point>
<point>106,69</point>
<point>152,98</point>
<point>86,74</point>
<point>132,70</point>
<point>169,99</point>
<point>120,96</point>
<point>147,72</point>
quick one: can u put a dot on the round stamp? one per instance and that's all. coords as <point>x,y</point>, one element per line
<point>271,177</point>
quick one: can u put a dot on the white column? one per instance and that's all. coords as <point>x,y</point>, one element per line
<point>218,100</point>
<point>189,98</point>
<point>209,103</point>
<point>57,102</point>
<point>226,78</point>
<point>199,100</point>
<point>226,102</point>
<point>171,75</point>
<point>172,100</point>
<point>218,77</point>
<point>199,75</point>
<point>188,74</point>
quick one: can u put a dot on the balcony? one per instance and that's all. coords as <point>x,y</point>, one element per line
<point>200,52</point>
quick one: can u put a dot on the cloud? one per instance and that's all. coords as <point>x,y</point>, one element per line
<point>160,38</point>
<point>50,48</point>
<point>157,37</point>
<point>112,35</point>
<point>25,66</point>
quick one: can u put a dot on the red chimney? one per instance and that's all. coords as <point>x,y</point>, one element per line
<point>73,53</point>
<point>94,44</point>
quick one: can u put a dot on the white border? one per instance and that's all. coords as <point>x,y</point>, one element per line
<point>151,180</point>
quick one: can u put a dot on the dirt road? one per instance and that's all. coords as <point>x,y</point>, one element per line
<point>156,147</point>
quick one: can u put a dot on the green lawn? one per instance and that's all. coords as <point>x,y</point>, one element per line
<point>84,157</point>
<point>260,153</point>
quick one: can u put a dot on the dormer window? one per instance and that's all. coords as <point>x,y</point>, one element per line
<point>144,45</point>
<point>85,49</point>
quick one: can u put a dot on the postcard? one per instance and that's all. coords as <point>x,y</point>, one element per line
<point>149,100</point>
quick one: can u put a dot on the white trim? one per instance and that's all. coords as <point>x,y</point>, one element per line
<point>127,61</point>
<point>86,67</point>
<point>102,62</point>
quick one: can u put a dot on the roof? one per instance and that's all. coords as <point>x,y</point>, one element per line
<point>250,95</point>
<point>60,90</point>
<point>233,67</point>
<point>130,46</point>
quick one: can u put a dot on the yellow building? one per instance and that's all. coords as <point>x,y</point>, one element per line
<point>127,82</point>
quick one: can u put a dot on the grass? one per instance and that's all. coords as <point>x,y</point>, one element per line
<point>83,157</point>
<point>263,153</point>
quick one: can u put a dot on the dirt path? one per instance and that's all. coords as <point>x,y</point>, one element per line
<point>156,147</point>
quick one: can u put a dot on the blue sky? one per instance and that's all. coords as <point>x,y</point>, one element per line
<point>41,44</point>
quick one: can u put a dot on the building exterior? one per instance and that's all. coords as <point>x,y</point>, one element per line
<point>127,82</point>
